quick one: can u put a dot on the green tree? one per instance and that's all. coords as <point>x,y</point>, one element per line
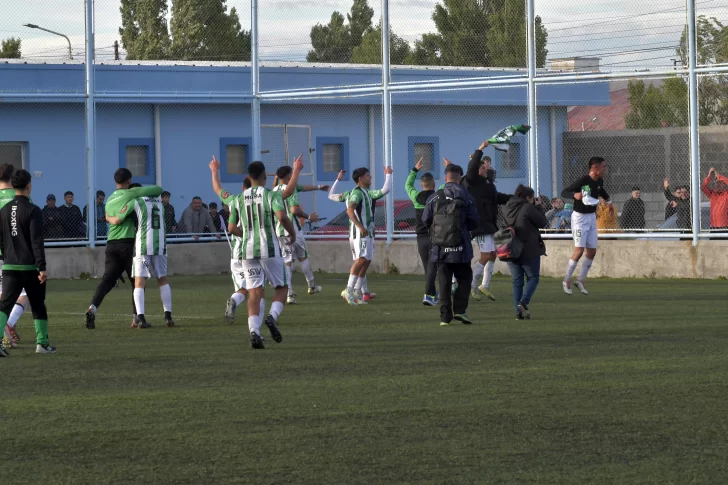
<point>370,50</point>
<point>426,51</point>
<point>360,21</point>
<point>332,42</point>
<point>204,30</point>
<point>10,48</point>
<point>656,107</point>
<point>144,32</point>
<point>507,37</point>
<point>462,27</point>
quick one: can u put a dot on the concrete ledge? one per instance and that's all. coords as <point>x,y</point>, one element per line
<point>615,259</point>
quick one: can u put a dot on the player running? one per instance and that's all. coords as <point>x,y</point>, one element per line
<point>586,193</point>
<point>360,209</point>
<point>297,251</point>
<point>150,253</point>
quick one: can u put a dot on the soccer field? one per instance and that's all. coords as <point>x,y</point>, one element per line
<point>626,385</point>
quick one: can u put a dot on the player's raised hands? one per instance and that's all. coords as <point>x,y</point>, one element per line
<point>419,164</point>
<point>341,175</point>
<point>214,164</point>
<point>298,163</point>
<point>324,188</point>
<point>446,162</point>
<point>388,170</point>
<point>666,183</point>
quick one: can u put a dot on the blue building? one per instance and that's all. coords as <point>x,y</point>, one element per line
<point>188,113</point>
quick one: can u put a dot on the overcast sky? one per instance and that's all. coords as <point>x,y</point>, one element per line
<point>624,34</point>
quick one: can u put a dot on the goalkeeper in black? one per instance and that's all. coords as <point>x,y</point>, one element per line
<point>24,265</point>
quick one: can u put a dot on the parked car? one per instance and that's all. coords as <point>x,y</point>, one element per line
<point>670,223</point>
<point>404,220</point>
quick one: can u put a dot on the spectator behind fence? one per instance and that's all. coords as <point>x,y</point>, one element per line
<point>52,225</point>
<point>557,205</point>
<point>170,221</point>
<point>670,209</point>
<point>102,229</point>
<point>718,197</point>
<point>195,220</point>
<point>225,214</point>
<point>217,219</point>
<point>526,219</point>
<point>633,212</point>
<point>606,216</point>
<point>681,203</point>
<point>71,218</point>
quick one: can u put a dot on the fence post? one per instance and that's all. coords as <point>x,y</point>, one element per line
<point>255,81</point>
<point>387,117</point>
<point>90,126</point>
<point>694,132</point>
<point>532,148</point>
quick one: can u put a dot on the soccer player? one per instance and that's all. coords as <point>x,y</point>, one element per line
<point>360,209</point>
<point>150,252</point>
<point>24,264</point>
<point>7,193</point>
<point>120,242</point>
<point>257,247</point>
<point>419,200</point>
<point>295,251</point>
<point>586,193</point>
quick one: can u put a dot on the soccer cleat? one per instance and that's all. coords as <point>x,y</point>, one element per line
<point>486,292</point>
<point>230,311</point>
<point>349,297</point>
<point>291,300</point>
<point>475,295</point>
<point>45,349</point>
<point>580,286</point>
<point>133,322</point>
<point>3,352</point>
<point>519,316</point>
<point>12,334</point>
<point>523,311</point>
<point>444,324</point>
<point>168,319</point>
<point>314,289</point>
<point>90,319</point>
<point>256,341</point>
<point>270,322</point>
<point>141,322</point>
<point>463,317</point>
<point>429,300</point>
<point>8,340</point>
<point>359,298</point>
<point>566,285</point>
<point>368,296</point>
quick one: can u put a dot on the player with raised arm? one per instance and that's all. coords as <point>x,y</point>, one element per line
<point>419,200</point>
<point>252,217</point>
<point>150,253</point>
<point>360,209</point>
<point>586,193</point>
<point>285,176</point>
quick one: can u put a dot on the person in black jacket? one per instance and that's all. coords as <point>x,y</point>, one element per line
<point>526,219</point>
<point>453,261</point>
<point>419,199</point>
<point>24,263</point>
<point>52,225</point>
<point>633,213</point>
<point>681,203</point>
<point>479,180</point>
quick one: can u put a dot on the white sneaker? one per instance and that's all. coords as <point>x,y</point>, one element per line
<point>45,349</point>
<point>359,298</point>
<point>580,286</point>
<point>229,311</point>
<point>566,285</point>
<point>314,289</point>
<point>349,297</point>
<point>291,300</point>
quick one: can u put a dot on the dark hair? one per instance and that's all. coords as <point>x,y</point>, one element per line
<point>595,161</point>
<point>636,187</point>
<point>166,194</point>
<point>427,178</point>
<point>485,158</point>
<point>256,170</point>
<point>134,185</point>
<point>523,191</point>
<point>67,192</point>
<point>452,168</point>
<point>197,197</point>
<point>283,171</point>
<point>6,172</point>
<point>21,179</point>
<point>247,183</point>
<point>359,172</point>
<point>100,192</point>
<point>122,175</point>
<point>213,205</point>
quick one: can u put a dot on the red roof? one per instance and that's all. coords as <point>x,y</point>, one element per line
<point>608,117</point>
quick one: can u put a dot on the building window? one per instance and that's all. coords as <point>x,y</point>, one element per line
<point>137,155</point>
<point>332,157</point>
<point>13,153</point>
<point>427,148</point>
<point>234,159</point>
<point>511,164</point>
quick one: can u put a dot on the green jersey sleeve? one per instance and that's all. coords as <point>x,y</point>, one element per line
<point>299,188</point>
<point>127,210</point>
<point>226,197</point>
<point>376,194</point>
<point>276,202</point>
<point>354,197</point>
<point>409,185</point>
<point>233,219</point>
<point>151,191</point>
<point>293,199</point>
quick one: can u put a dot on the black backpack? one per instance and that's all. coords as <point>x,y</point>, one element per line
<point>507,245</point>
<point>446,230</point>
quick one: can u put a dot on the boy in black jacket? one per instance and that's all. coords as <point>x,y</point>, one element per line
<point>24,265</point>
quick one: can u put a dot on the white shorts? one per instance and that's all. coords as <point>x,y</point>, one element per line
<point>584,230</point>
<point>22,293</point>
<point>145,266</point>
<point>258,270</point>
<point>238,274</point>
<point>486,243</point>
<point>362,248</point>
<point>291,252</point>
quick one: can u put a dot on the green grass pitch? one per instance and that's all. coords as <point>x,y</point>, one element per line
<point>626,385</point>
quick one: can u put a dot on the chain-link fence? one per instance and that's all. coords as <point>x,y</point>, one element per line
<point>172,85</point>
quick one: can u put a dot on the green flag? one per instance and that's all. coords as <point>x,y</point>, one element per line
<point>502,140</point>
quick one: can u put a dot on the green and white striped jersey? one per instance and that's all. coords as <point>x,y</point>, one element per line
<point>254,212</point>
<point>364,200</point>
<point>150,239</point>
<point>289,203</point>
